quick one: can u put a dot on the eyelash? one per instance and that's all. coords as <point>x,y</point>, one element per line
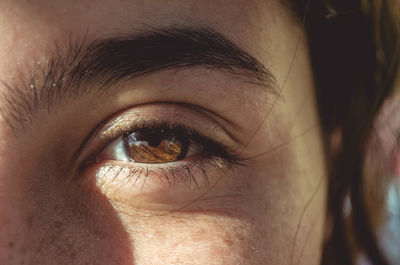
<point>190,173</point>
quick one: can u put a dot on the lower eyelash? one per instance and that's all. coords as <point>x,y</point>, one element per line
<point>192,174</point>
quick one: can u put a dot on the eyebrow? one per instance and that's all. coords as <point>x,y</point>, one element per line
<point>90,67</point>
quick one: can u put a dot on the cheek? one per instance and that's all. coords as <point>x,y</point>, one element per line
<point>194,239</point>
<point>53,224</point>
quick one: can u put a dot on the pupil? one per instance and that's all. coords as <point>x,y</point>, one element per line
<point>154,137</point>
<point>154,140</point>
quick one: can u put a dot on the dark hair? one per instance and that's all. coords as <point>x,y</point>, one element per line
<point>354,46</point>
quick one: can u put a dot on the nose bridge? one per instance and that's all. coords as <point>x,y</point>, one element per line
<point>13,228</point>
<point>10,166</point>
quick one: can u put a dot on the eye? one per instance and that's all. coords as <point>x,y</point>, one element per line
<point>165,162</point>
<point>153,146</point>
<point>171,152</point>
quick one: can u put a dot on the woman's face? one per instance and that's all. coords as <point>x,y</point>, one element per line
<point>157,132</point>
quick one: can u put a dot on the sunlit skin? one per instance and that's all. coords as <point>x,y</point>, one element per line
<point>62,207</point>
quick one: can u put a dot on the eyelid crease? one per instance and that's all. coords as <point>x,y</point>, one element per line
<point>186,107</point>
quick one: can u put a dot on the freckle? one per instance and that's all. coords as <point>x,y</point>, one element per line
<point>73,254</point>
<point>58,224</point>
<point>11,244</point>
<point>229,242</point>
<point>23,250</point>
<point>29,221</point>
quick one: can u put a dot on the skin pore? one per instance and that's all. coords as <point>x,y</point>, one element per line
<point>67,198</point>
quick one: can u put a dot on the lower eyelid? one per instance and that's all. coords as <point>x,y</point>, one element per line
<point>152,175</point>
<point>147,185</point>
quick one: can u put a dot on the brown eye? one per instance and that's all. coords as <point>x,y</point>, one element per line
<point>155,146</point>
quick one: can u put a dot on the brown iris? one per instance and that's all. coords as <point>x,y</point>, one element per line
<point>155,146</point>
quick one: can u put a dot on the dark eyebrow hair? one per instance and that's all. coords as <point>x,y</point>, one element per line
<point>106,62</point>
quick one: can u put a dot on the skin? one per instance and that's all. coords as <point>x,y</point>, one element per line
<point>270,211</point>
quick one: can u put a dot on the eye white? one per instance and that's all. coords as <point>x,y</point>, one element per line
<point>117,150</point>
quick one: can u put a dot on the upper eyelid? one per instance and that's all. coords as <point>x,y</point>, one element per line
<point>179,116</point>
<point>188,107</point>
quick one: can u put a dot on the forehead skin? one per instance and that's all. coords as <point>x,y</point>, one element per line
<point>278,216</point>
